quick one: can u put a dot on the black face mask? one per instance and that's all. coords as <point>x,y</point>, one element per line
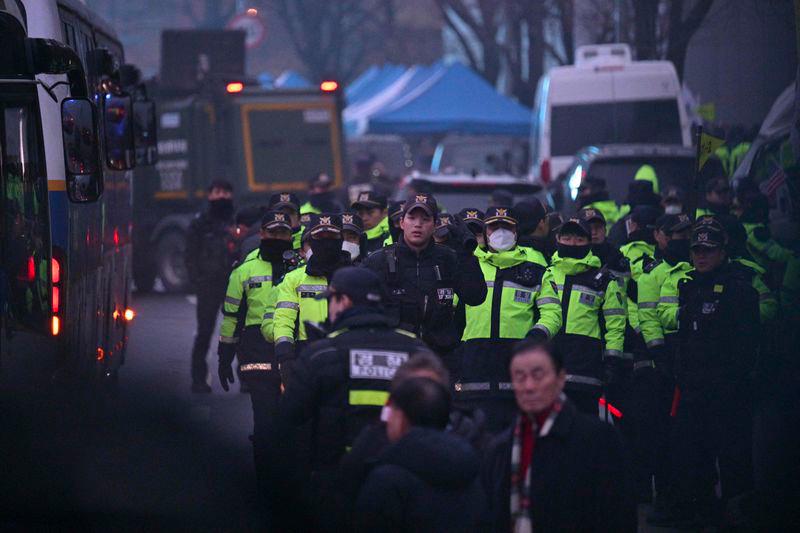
<point>326,252</point>
<point>678,250</point>
<point>221,208</point>
<point>573,251</point>
<point>272,249</point>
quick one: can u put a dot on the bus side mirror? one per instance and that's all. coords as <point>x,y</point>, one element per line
<point>144,132</point>
<point>81,152</point>
<point>118,130</point>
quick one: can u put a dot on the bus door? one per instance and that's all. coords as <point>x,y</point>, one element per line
<point>24,227</point>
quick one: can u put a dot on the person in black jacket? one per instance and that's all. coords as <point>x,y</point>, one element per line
<point>554,469</point>
<point>718,336</point>
<point>427,480</point>
<point>424,278</point>
<point>211,250</point>
<point>341,383</point>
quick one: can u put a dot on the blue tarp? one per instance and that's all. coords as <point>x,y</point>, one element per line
<point>289,79</point>
<point>372,81</point>
<point>453,100</point>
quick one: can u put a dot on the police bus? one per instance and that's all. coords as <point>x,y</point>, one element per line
<point>66,157</point>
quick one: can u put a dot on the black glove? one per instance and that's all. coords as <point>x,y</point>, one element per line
<point>226,353</point>
<point>283,351</point>
<point>461,234</point>
<point>285,368</point>
<point>612,371</point>
<point>537,334</point>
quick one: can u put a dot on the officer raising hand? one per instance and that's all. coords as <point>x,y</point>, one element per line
<point>424,278</point>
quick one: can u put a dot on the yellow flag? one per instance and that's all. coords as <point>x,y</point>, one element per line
<point>708,145</point>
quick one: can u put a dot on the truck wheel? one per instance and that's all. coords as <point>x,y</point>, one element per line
<point>170,261</point>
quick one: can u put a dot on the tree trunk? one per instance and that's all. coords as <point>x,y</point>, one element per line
<point>645,13</point>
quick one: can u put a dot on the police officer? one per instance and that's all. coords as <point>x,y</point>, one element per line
<point>534,226</point>
<point>395,214</point>
<point>718,336</point>
<point>321,198</point>
<point>608,254</point>
<point>592,193</point>
<point>342,382</point>
<point>653,382</point>
<point>516,299</point>
<point>593,314</point>
<point>718,198</point>
<point>250,288</point>
<point>424,278</point>
<point>211,250</point>
<point>296,305</point>
<point>354,239</point>
<point>473,219</point>
<point>288,204</point>
<point>371,207</point>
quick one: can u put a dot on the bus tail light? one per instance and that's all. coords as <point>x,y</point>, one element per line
<point>544,171</point>
<point>234,87</point>
<point>55,296</point>
<point>129,314</point>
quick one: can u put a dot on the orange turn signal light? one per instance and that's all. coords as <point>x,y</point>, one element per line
<point>129,314</point>
<point>235,87</point>
<point>329,86</point>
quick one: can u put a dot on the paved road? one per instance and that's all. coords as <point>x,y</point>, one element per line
<point>151,456</point>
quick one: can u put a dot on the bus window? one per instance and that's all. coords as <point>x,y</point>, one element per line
<point>118,127</point>
<point>25,236</point>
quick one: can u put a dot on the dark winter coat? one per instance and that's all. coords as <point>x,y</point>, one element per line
<point>579,478</point>
<point>426,481</point>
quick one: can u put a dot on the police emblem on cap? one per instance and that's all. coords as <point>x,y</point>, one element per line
<point>472,214</point>
<point>325,220</point>
<point>683,217</point>
<point>286,198</point>
<point>347,219</point>
<point>363,197</point>
<point>575,220</point>
<point>421,198</point>
<point>305,218</point>
<point>280,217</point>
<point>702,237</point>
<point>502,212</point>
<point>591,213</point>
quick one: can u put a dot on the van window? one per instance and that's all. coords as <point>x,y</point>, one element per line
<point>647,121</point>
<point>618,172</point>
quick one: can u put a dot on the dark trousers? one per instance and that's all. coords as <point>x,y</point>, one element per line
<point>585,399</point>
<point>713,428</point>
<point>649,412</point>
<point>499,410</point>
<point>209,301</point>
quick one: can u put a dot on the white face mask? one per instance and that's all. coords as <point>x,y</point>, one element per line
<point>502,240</point>
<point>352,248</point>
<point>309,253</point>
<point>673,209</point>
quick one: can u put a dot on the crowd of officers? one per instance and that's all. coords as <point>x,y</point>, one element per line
<point>390,349</point>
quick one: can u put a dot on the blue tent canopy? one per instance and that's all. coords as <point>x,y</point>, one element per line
<point>451,99</point>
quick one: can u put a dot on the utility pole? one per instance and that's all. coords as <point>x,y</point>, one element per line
<point>618,20</point>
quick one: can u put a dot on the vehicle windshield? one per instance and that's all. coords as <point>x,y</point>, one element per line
<point>647,122</point>
<point>491,156</point>
<point>618,172</point>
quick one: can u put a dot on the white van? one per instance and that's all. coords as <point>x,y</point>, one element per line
<point>605,98</point>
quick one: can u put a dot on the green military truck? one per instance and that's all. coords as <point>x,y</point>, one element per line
<point>213,123</point>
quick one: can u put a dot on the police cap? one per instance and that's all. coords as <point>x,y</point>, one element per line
<point>275,220</point>
<point>370,200</point>
<point>283,199</point>
<point>361,285</point>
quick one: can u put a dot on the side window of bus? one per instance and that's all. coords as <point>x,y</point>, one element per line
<point>24,216</point>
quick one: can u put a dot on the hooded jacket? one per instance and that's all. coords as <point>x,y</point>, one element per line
<point>425,482</point>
